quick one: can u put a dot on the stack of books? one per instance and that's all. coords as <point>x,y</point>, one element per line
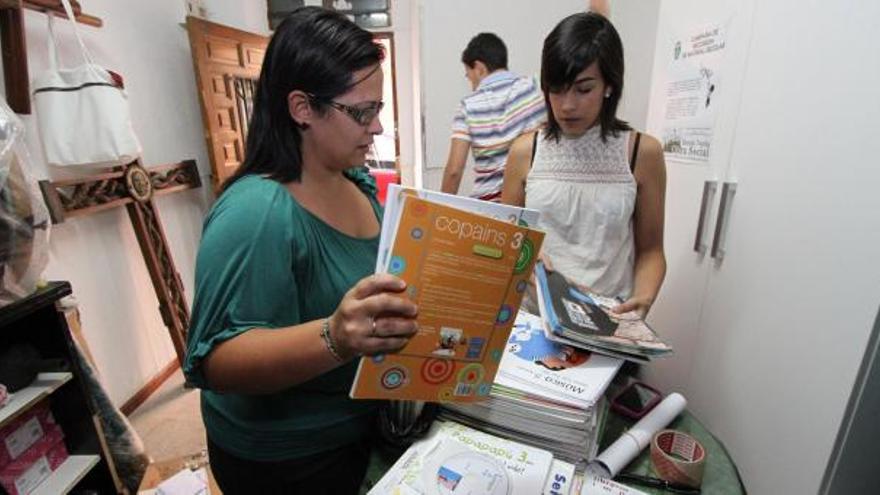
<point>546,394</point>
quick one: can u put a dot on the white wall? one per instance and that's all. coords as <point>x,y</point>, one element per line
<point>99,254</point>
<point>446,28</point>
<point>636,22</point>
<point>248,15</point>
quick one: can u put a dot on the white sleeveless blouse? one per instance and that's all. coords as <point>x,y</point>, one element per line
<point>586,194</point>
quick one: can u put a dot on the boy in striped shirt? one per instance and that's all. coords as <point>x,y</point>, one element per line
<point>502,107</point>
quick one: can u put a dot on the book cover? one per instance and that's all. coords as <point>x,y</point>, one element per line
<point>396,193</point>
<point>586,319</point>
<point>573,309</point>
<point>539,366</point>
<point>467,273</point>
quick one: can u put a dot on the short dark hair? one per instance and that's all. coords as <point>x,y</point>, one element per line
<point>573,45</point>
<point>487,48</point>
<point>313,50</point>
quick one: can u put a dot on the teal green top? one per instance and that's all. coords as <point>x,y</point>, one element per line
<point>266,262</point>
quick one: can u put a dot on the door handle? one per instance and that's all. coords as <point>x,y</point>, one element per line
<point>709,188</point>
<point>727,193</point>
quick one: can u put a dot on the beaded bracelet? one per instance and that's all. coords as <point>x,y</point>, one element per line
<point>328,340</point>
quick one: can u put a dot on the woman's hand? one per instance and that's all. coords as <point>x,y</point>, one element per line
<point>640,304</point>
<point>372,318</point>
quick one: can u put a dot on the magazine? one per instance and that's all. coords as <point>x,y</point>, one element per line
<point>585,319</point>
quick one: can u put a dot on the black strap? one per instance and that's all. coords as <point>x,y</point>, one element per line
<point>632,161</point>
<point>534,148</point>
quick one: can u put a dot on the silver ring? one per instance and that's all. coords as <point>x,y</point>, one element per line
<point>373,330</point>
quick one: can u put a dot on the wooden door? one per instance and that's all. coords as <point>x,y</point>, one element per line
<point>227,65</point>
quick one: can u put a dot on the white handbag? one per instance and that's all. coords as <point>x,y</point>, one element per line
<point>82,112</point>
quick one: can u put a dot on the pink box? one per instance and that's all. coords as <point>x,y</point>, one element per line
<point>25,474</point>
<point>25,431</point>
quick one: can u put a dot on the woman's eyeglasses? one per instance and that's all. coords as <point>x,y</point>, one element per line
<point>363,114</point>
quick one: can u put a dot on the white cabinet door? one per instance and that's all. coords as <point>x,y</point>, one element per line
<point>676,313</point>
<point>787,315</point>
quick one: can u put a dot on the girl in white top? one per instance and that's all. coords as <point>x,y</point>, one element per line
<point>600,186</point>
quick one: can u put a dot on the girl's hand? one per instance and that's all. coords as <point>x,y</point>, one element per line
<point>641,305</point>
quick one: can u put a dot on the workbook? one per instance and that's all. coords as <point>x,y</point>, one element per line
<point>467,273</point>
<point>455,459</point>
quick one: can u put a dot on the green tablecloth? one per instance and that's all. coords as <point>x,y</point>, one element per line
<point>720,476</point>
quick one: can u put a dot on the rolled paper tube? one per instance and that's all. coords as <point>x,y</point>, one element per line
<point>633,441</point>
<point>678,458</point>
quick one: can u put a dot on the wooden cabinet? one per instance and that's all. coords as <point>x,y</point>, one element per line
<point>36,321</point>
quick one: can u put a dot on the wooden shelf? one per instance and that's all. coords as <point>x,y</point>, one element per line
<point>35,320</point>
<point>21,401</point>
<point>68,474</point>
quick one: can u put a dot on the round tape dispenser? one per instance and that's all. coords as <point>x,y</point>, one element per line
<point>678,458</point>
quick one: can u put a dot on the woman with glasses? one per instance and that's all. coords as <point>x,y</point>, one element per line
<point>599,184</point>
<point>284,300</point>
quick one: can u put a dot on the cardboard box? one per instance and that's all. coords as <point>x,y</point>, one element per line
<point>158,472</point>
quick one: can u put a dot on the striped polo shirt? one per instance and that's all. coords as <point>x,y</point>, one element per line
<point>503,107</point>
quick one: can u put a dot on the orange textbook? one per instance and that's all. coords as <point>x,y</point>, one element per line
<point>467,273</point>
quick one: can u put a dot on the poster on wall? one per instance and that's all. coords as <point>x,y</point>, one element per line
<point>693,86</point>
